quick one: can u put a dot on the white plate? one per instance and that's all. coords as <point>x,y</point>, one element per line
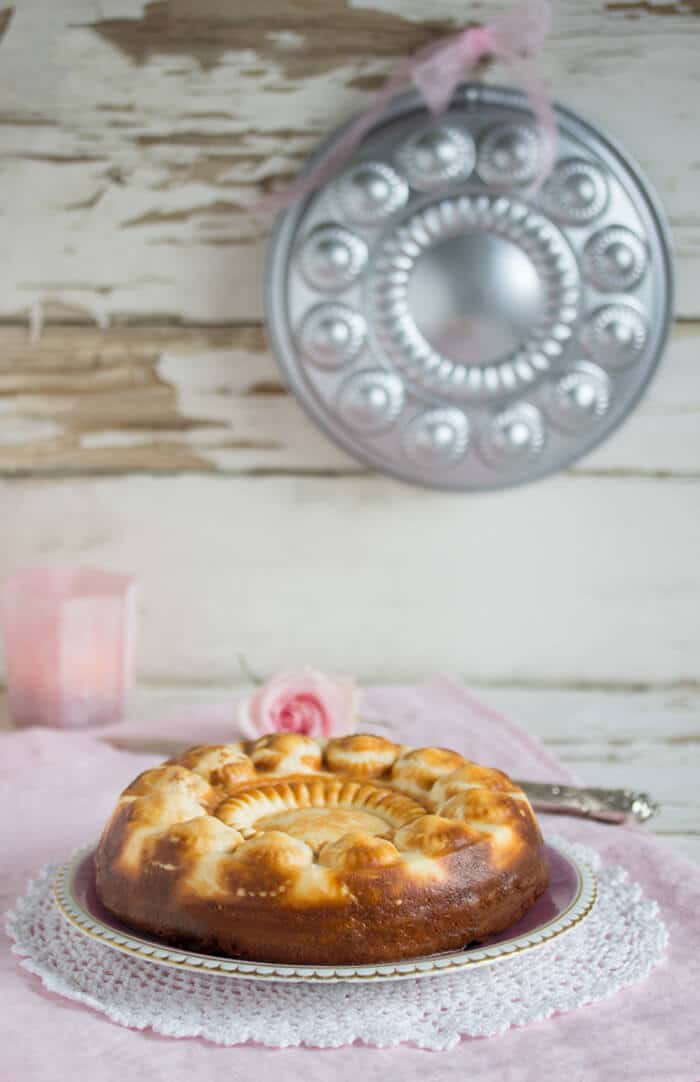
<point>567,901</point>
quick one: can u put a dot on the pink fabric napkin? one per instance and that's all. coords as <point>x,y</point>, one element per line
<point>58,788</point>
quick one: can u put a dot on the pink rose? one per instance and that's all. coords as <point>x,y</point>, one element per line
<point>306,701</point>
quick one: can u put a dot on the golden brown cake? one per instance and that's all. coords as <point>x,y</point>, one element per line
<point>292,849</point>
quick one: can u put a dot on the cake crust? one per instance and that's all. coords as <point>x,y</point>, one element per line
<point>296,850</point>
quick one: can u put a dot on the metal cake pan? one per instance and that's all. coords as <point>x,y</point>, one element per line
<point>447,328</point>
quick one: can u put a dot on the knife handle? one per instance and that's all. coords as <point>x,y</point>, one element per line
<point>606,805</point>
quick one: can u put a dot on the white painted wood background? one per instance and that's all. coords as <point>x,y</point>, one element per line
<point>143,425</point>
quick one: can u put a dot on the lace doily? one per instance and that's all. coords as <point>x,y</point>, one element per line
<point>617,945</point>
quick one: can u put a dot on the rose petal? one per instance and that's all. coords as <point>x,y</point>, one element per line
<point>306,701</point>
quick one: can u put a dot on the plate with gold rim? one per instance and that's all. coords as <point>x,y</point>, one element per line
<point>567,902</point>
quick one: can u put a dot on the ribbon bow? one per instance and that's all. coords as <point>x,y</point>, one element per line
<point>436,70</point>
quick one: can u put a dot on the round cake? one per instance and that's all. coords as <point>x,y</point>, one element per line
<point>297,850</point>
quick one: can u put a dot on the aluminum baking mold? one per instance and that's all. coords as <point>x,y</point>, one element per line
<point>445,326</point>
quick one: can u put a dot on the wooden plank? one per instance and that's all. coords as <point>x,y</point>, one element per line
<point>647,740</point>
<point>84,401</point>
<point>573,579</point>
<point>166,399</point>
<point>125,189</point>
<point>573,717</point>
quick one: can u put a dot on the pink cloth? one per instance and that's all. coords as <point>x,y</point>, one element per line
<point>58,788</point>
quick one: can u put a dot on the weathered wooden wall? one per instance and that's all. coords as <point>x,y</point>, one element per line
<point>134,134</point>
<point>167,398</point>
<point>142,420</point>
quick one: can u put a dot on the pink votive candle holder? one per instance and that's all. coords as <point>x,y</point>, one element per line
<point>68,637</point>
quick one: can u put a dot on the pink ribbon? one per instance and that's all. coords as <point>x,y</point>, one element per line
<point>436,70</point>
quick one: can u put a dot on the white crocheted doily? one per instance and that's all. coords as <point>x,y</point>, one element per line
<point>617,945</point>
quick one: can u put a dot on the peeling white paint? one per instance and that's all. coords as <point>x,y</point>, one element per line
<point>36,320</point>
<point>18,431</point>
<point>226,408</point>
<point>287,39</point>
<point>116,438</point>
<point>66,225</point>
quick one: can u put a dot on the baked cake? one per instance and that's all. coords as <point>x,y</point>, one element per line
<point>292,849</point>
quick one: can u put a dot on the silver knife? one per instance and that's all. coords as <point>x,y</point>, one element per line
<point>605,805</point>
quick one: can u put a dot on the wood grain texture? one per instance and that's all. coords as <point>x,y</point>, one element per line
<point>133,135</point>
<point>170,399</point>
<point>642,740</point>
<point>573,579</point>
<point>152,399</point>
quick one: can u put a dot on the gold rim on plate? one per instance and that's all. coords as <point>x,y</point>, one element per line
<point>151,950</point>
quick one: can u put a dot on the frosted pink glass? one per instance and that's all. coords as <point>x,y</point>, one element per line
<point>68,637</point>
